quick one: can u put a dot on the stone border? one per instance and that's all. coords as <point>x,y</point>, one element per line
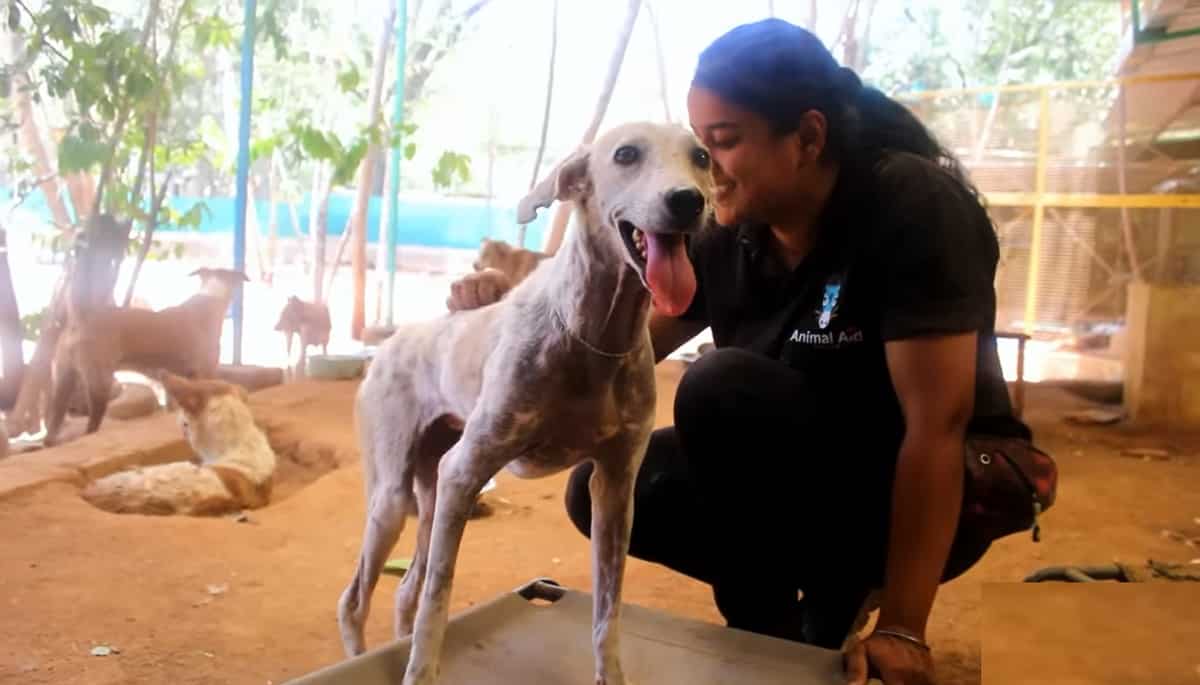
<point>124,444</point>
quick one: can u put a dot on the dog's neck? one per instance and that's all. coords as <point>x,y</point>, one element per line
<point>599,297</point>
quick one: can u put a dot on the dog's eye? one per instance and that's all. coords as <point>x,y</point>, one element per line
<point>700,158</point>
<point>626,155</point>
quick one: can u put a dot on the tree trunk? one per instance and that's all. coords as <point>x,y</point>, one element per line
<point>358,222</point>
<point>559,226</point>
<point>541,151</point>
<point>87,282</point>
<point>305,251</point>
<point>29,407</point>
<point>862,45</point>
<point>157,196</point>
<point>31,137</point>
<point>12,360</point>
<point>272,222</point>
<point>663,91</point>
<point>318,225</point>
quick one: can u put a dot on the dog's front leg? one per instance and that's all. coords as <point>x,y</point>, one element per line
<point>611,489</point>
<point>461,476</point>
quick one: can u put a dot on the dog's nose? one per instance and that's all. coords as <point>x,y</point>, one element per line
<point>685,205</point>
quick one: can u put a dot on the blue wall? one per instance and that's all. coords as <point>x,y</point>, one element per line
<point>457,223</point>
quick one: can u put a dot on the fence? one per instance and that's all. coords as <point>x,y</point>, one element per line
<point>1090,184</point>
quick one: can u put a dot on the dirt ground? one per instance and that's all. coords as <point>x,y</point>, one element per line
<point>219,601</point>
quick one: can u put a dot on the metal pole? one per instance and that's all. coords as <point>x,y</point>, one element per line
<point>1039,211</point>
<point>393,224</point>
<point>243,170</point>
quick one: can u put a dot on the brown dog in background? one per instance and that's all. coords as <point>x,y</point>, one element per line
<point>184,339</point>
<point>515,262</point>
<point>311,321</point>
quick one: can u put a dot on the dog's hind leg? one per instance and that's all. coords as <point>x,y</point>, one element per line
<point>409,591</point>
<point>388,470</point>
<point>611,489</point>
<point>437,439</point>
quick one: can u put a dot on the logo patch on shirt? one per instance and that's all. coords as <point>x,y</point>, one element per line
<point>825,335</point>
<point>829,304</point>
<point>827,338</point>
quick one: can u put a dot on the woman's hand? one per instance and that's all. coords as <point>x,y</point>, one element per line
<point>478,289</point>
<point>894,660</point>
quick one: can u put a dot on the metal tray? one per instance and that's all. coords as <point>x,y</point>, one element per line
<point>540,634</point>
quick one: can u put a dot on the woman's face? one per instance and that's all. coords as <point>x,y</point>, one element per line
<point>758,176</point>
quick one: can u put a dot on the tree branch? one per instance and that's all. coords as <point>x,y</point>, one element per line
<point>122,117</point>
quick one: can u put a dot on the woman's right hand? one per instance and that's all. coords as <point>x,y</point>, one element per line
<point>478,289</point>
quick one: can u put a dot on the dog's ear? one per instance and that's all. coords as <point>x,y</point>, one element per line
<point>190,398</point>
<point>568,181</point>
<point>292,299</point>
<point>202,272</point>
<point>241,394</point>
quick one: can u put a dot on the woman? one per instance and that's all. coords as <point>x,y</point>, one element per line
<point>849,288</point>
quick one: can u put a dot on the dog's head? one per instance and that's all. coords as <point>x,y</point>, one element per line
<point>492,254</point>
<point>193,396</point>
<point>649,185</point>
<point>220,282</point>
<point>515,262</point>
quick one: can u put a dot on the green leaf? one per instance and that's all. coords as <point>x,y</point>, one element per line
<point>449,165</point>
<point>138,85</point>
<point>346,167</point>
<point>77,153</point>
<point>192,217</point>
<point>317,144</point>
<point>349,78</point>
<point>31,325</point>
<point>410,150</point>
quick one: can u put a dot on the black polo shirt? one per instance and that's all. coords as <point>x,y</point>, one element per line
<point>903,250</point>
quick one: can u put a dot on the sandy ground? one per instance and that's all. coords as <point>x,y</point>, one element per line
<point>72,577</point>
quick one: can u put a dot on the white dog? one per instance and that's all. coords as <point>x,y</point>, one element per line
<point>559,371</point>
<point>236,468</point>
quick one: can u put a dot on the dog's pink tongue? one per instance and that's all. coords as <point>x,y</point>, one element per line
<point>669,274</point>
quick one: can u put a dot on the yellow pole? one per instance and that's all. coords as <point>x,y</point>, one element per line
<point>1039,211</point>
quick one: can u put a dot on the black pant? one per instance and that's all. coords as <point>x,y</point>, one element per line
<point>755,492</point>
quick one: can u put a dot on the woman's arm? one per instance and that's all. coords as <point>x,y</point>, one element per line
<point>934,378</point>
<point>667,334</point>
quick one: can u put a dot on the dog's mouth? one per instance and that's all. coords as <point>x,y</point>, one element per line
<point>662,262</point>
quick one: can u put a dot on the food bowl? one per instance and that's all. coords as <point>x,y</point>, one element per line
<point>336,367</point>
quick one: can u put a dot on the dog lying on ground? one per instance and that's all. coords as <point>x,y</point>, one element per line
<point>236,463</point>
<point>311,321</point>
<point>184,339</point>
<point>559,371</point>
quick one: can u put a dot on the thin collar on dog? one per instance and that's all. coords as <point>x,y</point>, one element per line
<point>579,339</point>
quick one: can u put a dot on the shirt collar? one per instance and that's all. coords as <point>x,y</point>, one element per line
<point>834,224</point>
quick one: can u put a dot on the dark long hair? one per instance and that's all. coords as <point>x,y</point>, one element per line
<point>780,71</point>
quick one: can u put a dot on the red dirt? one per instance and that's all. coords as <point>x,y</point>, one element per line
<point>73,577</point>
